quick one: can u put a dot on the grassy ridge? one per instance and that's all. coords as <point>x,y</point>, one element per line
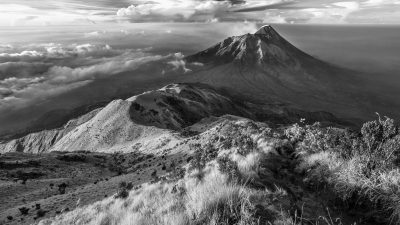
<point>243,172</point>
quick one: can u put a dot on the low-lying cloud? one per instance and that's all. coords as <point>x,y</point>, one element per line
<point>39,72</point>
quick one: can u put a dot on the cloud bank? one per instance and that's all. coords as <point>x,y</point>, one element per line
<point>42,71</point>
<point>278,11</point>
<point>108,12</point>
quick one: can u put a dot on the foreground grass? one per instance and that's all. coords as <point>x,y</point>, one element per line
<point>243,172</point>
<point>215,189</point>
<point>211,201</point>
<point>362,169</point>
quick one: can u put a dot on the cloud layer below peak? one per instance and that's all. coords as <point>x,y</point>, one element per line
<point>44,70</point>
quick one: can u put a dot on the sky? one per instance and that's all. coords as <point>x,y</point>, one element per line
<point>86,12</point>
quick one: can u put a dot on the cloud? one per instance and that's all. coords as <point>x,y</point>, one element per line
<point>275,11</point>
<point>380,3</point>
<point>24,56</point>
<point>22,69</point>
<point>106,34</point>
<point>51,51</point>
<point>17,99</point>
<point>35,75</point>
<point>241,28</point>
<point>47,12</point>
<point>178,64</point>
<point>106,12</point>
<point>175,10</point>
<point>14,83</point>
<point>348,5</point>
<point>330,12</point>
<point>65,74</point>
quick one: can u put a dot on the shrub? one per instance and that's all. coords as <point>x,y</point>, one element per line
<point>229,167</point>
<point>245,144</point>
<point>40,213</point>
<point>124,188</point>
<point>202,155</point>
<point>361,168</point>
<point>154,174</point>
<point>61,188</point>
<point>380,142</point>
<point>23,210</point>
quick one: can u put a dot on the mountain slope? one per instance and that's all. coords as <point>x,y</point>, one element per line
<point>264,67</point>
<point>153,115</point>
<point>123,123</point>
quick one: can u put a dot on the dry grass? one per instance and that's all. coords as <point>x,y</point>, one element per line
<point>213,197</point>
<point>380,189</point>
<point>213,200</point>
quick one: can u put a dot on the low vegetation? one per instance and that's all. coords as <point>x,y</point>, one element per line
<point>247,173</point>
<point>362,168</point>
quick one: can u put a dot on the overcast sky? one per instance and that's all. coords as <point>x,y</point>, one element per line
<point>86,12</point>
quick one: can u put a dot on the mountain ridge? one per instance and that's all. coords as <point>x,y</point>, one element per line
<point>122,123</point>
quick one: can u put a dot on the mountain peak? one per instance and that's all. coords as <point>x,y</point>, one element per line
<point>267,30</point>
<point>264,29</point>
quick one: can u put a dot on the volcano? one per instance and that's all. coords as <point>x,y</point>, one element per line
<point>265,68</point>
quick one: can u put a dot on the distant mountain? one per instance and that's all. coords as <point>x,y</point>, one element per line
<point>266,68</point>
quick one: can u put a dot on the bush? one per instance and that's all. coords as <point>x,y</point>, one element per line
<point>40,213</point>
<point>23,210</point>
<point>154,174</point>
<point>362,168</point>
<point>124,189</point>
<point>245,144</point>
<point>229,167</point>
<point>380,143</point>
<point>61,188</point>
<point>202,155</point>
